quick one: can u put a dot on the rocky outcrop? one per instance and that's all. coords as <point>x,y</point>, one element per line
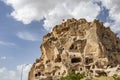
<point>80,46</point>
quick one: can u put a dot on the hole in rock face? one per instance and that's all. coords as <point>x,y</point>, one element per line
<point>36,75</point>
<point>75,60</point>
<point>80,69</point>
<point>78,46</point>
<point>72,47</point>
<point>101,73</point>
<point>88,60</point>
<point>87,67</point>
<point>39,73</point>
<point>93,66</point>
<point>58,59</point>
<point>58,73</point>
<point>47,61</point>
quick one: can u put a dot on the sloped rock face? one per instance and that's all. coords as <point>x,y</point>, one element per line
<point>80,46</point>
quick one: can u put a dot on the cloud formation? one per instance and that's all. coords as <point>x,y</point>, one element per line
<point>4,43</point>
<point>52,11</point>
<point>114,13</point>
<point>27,36</point>
<point>3,57</point>
<point>6,74</point>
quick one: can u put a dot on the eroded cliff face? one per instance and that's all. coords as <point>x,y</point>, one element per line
<point>80,46</point>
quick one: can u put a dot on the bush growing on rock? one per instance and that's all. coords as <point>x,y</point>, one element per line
<point>116,77</point>
<point>73,76</point>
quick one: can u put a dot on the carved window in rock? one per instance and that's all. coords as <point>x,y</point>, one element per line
<point>101,73</point>
<point>58,59</point>
<point>57,67</point>
<point>37,74</point>
<point>53,74</point>
<point>47,61</point>
<point>78,46</point>
<point>118,68</point>
<point>81,69</point>
<point>41,67</point>
<point>75,60</point>
<point>58,73</point>
<point>87,67</point>
<point>88,60</point>
<point>93,66</point>
<point>73,47</point>
<point>118,50</point>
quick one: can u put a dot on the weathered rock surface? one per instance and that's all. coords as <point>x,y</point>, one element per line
<point>80,46</point>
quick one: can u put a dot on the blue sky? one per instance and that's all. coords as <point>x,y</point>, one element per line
<point>22,51</point>
<point>16,51</point>
<point>23,23</point>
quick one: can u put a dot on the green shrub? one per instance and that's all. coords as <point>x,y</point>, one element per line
<point>116,77</point>
<point>73,76</point>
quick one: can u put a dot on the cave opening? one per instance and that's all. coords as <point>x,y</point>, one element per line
<point>58,59</point>
<point>36,75</point>
<point>75,60</point>
<point>88,60</point>
<point>39,73</point>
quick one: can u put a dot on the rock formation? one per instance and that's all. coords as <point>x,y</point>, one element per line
<point>80,46</point>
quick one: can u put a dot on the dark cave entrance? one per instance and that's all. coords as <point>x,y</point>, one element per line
<point>75,60</point>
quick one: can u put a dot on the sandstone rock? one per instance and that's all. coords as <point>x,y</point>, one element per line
<point>80,46</point>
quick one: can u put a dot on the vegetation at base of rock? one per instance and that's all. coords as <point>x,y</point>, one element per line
<point>116,77</point>
<point>73,76</point>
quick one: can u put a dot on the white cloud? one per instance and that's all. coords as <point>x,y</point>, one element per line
<point>52,11</point>
<point>71,9</point>
<point>27,36</point>
<point>3,43</point>
<point>85,9</point>
<point>114,13</point>
<point>3,57</point>
<point>29,10</point>
<point>2,69</point>
<point>6,74</point>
